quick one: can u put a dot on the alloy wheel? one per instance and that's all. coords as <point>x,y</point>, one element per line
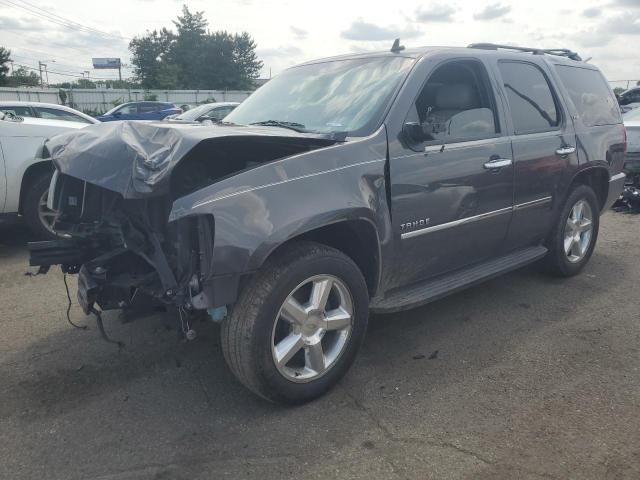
<point>312,328</point>
<point>46,216</point>
<point>578,231</point>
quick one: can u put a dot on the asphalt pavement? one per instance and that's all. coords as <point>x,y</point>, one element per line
<point>523,377</point>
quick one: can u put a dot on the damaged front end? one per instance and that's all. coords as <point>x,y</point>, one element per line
<point>122,248</point>
<point>113,192</point>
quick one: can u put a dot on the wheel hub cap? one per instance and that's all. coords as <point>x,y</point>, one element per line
<point>312,328</point>
<point>578,231</point>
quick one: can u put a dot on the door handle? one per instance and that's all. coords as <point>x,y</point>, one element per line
<point>566,150</point>
<point>498,163</point>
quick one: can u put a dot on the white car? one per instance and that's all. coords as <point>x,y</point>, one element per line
<point>25,170</point>
<point>49,111</point>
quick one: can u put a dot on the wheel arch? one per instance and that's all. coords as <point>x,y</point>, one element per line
<point>596,177</point>
<point>32,172</point>
<point>357,238</point>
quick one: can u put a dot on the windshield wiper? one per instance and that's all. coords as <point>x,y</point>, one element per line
<point>298,127</point>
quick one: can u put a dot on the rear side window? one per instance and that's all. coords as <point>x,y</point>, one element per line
<point>19,111</point>
<point>591,95</point>
<point>532,104</point>
<point>150,107</point>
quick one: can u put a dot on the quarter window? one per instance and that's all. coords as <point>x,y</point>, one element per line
<point>532,104</point>
<point>456,104</point>
<point>590,94</point>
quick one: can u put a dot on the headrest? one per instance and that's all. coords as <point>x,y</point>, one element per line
<point>455,96</point>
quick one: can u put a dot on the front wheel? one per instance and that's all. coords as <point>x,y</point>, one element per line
<point>298,324</point>
<point>574,236</point>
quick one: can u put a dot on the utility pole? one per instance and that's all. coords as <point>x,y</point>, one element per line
<point>40,69</point>
<point>46,73</point>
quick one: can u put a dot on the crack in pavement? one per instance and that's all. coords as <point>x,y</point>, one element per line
<point>448,445</point>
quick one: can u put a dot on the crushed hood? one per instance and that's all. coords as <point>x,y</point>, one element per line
<point>136,158</point>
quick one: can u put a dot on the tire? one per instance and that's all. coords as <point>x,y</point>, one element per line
<point>259,321</point>
<point>559,261</point>
<point>31,211</point>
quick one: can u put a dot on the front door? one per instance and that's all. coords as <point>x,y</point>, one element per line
<point>451,175</point>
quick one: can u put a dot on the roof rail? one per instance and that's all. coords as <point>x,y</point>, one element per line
<point>562,52</point>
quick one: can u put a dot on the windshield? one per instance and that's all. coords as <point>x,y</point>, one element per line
<point>195,113</point>
<point>632,114</point>
<point>336,96</point>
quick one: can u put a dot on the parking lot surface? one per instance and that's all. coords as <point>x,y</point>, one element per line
<point>525,376</point>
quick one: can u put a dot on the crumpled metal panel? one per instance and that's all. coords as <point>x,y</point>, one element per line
<point>136,158</point>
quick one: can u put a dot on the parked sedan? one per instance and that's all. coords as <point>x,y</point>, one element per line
<point>49,111</point>
<point>629,100</point>
<point>25,168</point>
<point>140,111</point>
<point>213,112</point>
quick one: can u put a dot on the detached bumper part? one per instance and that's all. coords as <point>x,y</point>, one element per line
<point>616,184</point>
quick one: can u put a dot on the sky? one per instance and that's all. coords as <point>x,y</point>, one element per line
<point>66,34</point>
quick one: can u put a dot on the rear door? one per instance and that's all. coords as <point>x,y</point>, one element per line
<point>150,111</point>
<point>544,149</point>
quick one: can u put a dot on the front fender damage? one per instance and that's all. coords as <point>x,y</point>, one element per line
<point>114,191</point>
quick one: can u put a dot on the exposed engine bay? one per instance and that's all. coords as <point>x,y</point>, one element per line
<point>113,191</point>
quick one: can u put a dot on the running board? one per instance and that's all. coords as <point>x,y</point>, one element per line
<point>433,289</point>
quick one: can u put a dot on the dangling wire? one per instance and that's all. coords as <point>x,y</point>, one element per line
<point>98,315</point>
<point>66,287</point>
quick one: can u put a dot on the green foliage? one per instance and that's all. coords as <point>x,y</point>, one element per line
<point>63,96</point>
<point>117,101</point>
<point>194,58</point>
<point>22,77</point>
<point>5,58</point>
<point>150,97</point>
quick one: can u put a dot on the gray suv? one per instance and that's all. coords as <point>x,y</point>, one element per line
<point>348,185</point>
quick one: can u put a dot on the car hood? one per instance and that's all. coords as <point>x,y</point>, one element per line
<point>135,159</point>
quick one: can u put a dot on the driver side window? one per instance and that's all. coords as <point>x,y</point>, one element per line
<point>456,104</point>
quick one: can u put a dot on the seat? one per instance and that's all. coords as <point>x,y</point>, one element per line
<point>449,100</point>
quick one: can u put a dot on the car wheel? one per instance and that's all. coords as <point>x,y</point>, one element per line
<point>36,214</point>
<point>575,234</point>
<point>298,324</point>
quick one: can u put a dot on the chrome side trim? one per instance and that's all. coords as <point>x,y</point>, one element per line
<point>455,223</point>
<point>475,218</point>
<point>532,203</point>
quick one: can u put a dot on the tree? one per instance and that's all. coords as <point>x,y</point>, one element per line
<point>5,59</point>
<point>22,77</point>
<point>194,57</point>
<point>149,55</point>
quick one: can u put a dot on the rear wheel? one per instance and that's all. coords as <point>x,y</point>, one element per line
<point>298,324</point>
<point>38,217</point>
<point>574,237</point>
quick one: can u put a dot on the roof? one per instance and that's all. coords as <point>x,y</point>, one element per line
<point>502,51</point>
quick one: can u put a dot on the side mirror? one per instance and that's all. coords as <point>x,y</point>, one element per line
<point>413,132</point>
